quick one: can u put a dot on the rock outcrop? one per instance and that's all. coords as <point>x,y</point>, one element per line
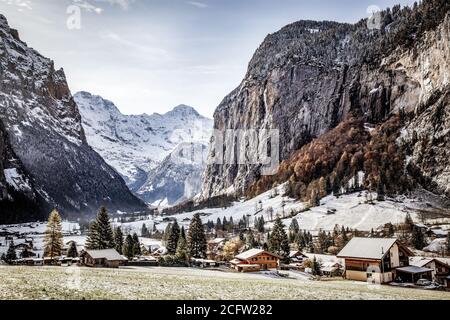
<point>308,77</point>
<point>44,131</point>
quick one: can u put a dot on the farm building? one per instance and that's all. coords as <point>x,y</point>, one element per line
<point>440,269</point>
<point>255,260</point>
<point>109,258</point>
<point>412,274</point>
<point>374,259</point>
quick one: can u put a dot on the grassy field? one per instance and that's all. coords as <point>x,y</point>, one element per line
<point>182,284</point>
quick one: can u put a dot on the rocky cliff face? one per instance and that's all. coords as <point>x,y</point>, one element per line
<point>142,147</point>
<point>309,76</point>
<point>44,131</point>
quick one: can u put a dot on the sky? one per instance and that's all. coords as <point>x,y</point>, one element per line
<point>148,56</point>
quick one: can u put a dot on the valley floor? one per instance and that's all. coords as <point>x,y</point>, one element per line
<point>27,283</point>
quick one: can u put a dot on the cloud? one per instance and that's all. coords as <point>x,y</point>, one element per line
<point>20,4</point>
<point>197,4</point>
<point>91,5</point>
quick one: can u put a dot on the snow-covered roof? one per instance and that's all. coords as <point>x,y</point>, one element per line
<point>414,269</point>
<point>108,254</point>
<point>439,232</point>
<point>419,261</point>
<point>367,248</point>
<point>254,252</point>
<point>423,261</point>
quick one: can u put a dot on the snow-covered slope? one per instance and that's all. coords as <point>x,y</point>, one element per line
<point>350,210</point>
<point>139,147</point>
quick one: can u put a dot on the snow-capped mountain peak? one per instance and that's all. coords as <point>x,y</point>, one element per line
<point>136,145</point>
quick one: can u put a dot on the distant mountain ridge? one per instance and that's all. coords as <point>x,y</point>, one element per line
<point>142,147</point>
<point>46,161</point>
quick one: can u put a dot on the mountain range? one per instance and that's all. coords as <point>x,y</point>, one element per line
<point>144,148</point>
<point>46,161</point>
<point>357,106</point>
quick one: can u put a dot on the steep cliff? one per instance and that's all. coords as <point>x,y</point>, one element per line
<point>310,76</point>
<point>44,131</point>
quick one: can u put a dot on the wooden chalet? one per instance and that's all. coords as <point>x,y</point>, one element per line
<point>440,269</point>
<point>374,259</point>
<point>109,258</point>
<point>255,260</point>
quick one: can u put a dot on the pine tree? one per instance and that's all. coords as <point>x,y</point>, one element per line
<point>182,249</point>
<point>196,238</point>
<point>418,239</point>
<point>380,191</point>
<point>172,240</point>
<point>128,247</point>
<point>53,236</point>
<point>315,267</point>
<point>250,241</point>
<point>118,240</point>
<point>92,236</point>
<point>448,243</point>
<point>409,223</point>
<point>72,252</point>
<point>137,245</point>
<point>278,240</point>
<point>144,231</point>
<point>11,255</point>
<point>100,234</point>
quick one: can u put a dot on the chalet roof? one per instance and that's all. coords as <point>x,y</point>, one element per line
<point>414,270</point>
<point>108,254</point>
<point>422,262</point>
<point>367,248</point>
<point>419,261</point>
<point>253,253</point>
<point>295,253</point>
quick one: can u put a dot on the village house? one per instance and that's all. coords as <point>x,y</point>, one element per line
<point>297,257</point>
<point>330,265</point>
<point>109,258</point>
<point>255,260</point>
<point>374,259</point>
<point>440,270</point>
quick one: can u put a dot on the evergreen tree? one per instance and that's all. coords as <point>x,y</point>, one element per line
<point>128,247</point>
<point>294,227</point>
<point>409,223</point>
<point>315,267</point>
<point>196,238</point>
<point>418,239</point>
<point>183,233</point>
<point>250,241</point>
<point>182,248</point>
<point>92,236</point>
<point>72,252</point>
<point>172,240</point>
<point>118,240</point>
<point>278,240</point>
<point>448,243</point>
<point>11,255</point>
<point>144,231</point>
<point>100,234</point>
<point>137,245</point>
<point>26,253</point>
<point>380,191</point>
<point>53,236</point>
